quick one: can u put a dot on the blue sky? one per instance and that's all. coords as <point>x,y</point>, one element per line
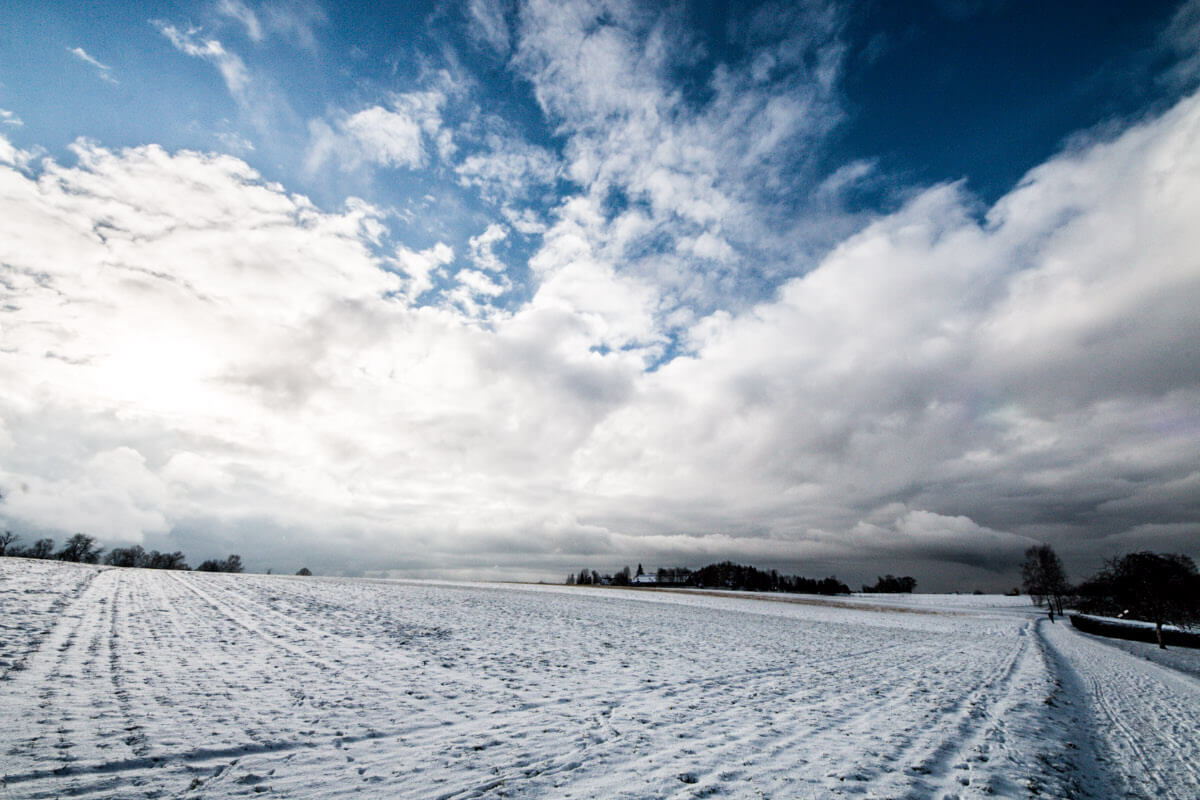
<point>507,289</point>
<point>922,93</point>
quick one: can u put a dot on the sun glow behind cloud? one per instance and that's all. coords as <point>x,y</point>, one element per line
<point>636,341</point>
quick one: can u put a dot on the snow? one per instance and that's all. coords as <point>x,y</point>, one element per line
<point>1180,659</point>
<point>1130,623</point>
<point>135,683</point>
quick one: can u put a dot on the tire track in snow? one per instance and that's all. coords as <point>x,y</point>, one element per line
<point>1145,717</point>
<point>545,695</point>
<point>35,637</point>
<point>672,747</point>
<point>1129,738</point>
<point>167,637</point>
<point>781,745</point>
<point>945,747</point>
<point>932,716</point>
<point>67,680</point>
<point>134,733</point>
<point>332,668</point>
<point>1011,727</point>
<point>123,629</point>
<point>592,737</point>
<point>304,684</point>
<point>195,627</point>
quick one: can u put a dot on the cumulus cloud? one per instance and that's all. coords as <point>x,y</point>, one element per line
<point>508,170</point>
<point>420,266</point>
<point>483,248</point>
<point>696,193</point>
<point>1018,374</point>
<point>111,495</point>
<point>190,347</point>
<point>117,309</point>
<point>249,350</point>
<point>384,136</point>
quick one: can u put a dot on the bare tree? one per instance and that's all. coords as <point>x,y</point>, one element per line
<point>231,564</point>
<point>1044,578</point>
<point>157,560</point>
<point>1160,588</point>
<point>42,548</point>
<point>133,556</point>
<point>81,549</point>
<point>6,539</point>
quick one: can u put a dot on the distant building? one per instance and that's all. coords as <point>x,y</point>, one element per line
<point>643,580</point>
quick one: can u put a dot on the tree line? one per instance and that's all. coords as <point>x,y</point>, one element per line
<point>725,575</point>
<point>1161,588</point>
<point>83,549</point>
<point>890,584</point>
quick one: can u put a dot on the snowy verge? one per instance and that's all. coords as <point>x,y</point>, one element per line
<point>1134,630</point>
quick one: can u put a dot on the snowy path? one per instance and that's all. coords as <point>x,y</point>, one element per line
<point>1145,718</point>
<point>131,683</point>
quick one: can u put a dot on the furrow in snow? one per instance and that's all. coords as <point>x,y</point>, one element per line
<point>1145,717</point>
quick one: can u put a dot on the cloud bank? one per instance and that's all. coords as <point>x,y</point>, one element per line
<point>708,358</point>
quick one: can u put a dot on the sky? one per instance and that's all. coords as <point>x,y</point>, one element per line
<point>503,290</point>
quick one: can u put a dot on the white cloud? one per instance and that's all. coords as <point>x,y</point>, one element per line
<point>508,170</point>
<point>239,11</point>
<point>378,135</point>
<point>235,143</point>
<point>696,195</point>
<point>482,248</point>
<point>1181,41</point>
<point>248,350</point>
<point>230,65</point>
<point>103,71</point>
<point>8,154</point>
<point>297,20</point>
<point>846,176</point>
<point>386,137</point>
<point>474,292</point>
<point>112,495</point>
<point>9,118</point>
<point>420,266</point>
<point>1019,373</point>
<point>480,282</point>
<point>187,344</point>
<point>524,221</point>
<point>294,20</point>
<point>487,25</point>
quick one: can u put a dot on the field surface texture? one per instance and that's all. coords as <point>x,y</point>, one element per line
<point>132,683</point>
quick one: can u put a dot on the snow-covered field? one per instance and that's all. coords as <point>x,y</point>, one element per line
<point>132,683</point>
